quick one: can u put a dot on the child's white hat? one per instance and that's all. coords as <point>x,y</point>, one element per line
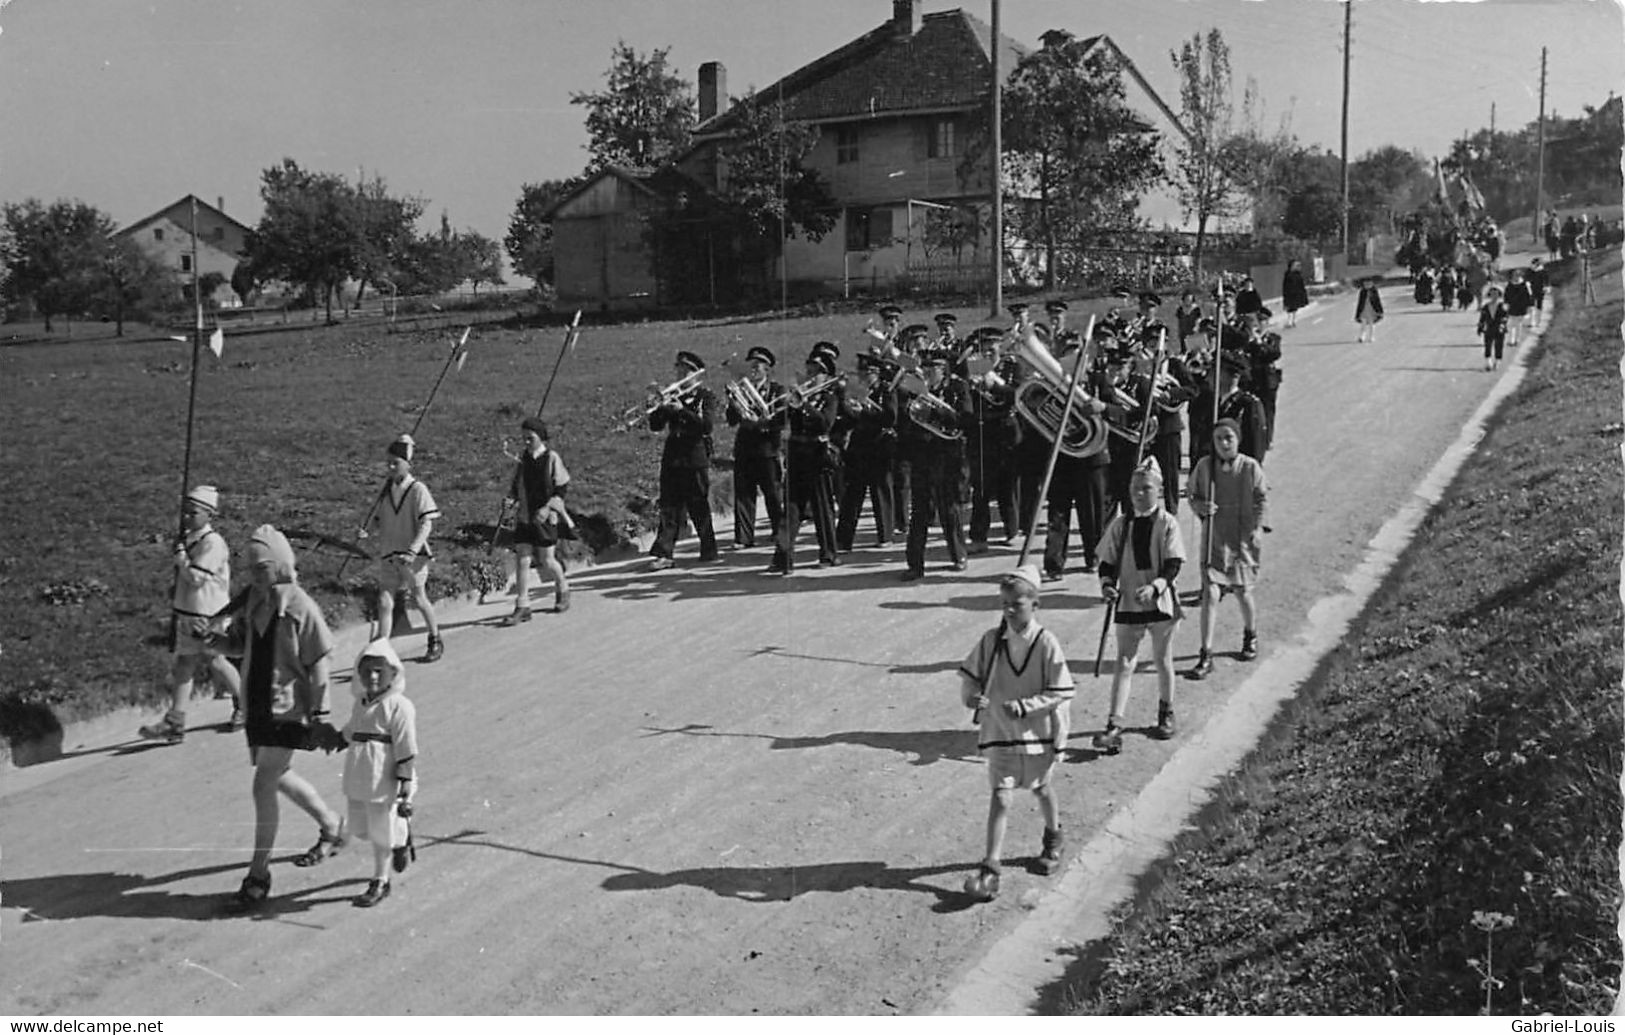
<point>1027,573</point>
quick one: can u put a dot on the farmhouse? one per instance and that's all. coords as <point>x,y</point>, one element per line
<point>896,109</point>
<point>167,235</point>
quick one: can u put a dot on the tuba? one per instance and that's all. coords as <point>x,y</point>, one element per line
<point>747,399</point>
<point>1042,402</point>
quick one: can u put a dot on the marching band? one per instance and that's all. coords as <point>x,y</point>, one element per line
<point>929,427</point>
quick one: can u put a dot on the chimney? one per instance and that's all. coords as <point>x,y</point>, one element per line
<point>220,202</point>
<point>905,17</point>
<point>713,90</point>
<point>1056,38</point>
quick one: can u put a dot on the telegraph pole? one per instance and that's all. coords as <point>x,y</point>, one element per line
<point>1348,23</point>
<point>996,178</point>
<point>1540,154</point>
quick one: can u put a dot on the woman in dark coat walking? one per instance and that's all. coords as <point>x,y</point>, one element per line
<point>1294,294</point>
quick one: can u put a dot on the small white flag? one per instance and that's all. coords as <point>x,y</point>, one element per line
<point>217,342</point>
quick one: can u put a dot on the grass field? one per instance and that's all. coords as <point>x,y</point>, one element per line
<point>1436,828</point>
<point>291,425</point>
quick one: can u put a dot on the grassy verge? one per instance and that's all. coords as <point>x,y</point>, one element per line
<point>1436,829</point>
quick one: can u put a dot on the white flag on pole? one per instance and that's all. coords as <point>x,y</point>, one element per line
<point>217,342</point>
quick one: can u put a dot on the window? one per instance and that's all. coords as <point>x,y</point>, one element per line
<point>846,146</point>
<point>944,140</point>
<point>186,263</point>
<point>868,229</point>
<point>219,233</point>
<point>158,234</point>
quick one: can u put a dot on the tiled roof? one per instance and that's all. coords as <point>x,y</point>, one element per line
<point>943,66</point>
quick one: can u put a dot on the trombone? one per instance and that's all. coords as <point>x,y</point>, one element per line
<point>798,395</point>
<point>673,393</point>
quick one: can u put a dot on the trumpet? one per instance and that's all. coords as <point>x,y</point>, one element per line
<point>673,393</point>
<point>748,400</point>
<point>798,395</point>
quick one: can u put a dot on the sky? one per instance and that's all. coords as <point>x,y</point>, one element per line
<point>131,105</point>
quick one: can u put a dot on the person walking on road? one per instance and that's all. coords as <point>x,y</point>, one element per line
<point>1493,319</point>
<point>1228,493</point>
<point>685,463</point>
<point>1140,557</point>
<point>1294,293</point>
<point>402,523</point>
<point>202,590</point>
<point>1519,302</point>
<point>541,520</point>
<point>285,644</point>
<point>380,765</point>
<point>1017,680</point>
<point>1368,310</point>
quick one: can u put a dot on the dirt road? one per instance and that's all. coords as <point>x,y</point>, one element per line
<point>701,791</point>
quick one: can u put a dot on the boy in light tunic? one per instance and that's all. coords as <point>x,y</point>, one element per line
<point>402,522</point>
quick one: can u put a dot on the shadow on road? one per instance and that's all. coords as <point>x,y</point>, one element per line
<point>919,747</point>
<point>74,896</point>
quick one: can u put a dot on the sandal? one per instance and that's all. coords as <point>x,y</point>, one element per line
<point>326,846</point>
<point>253,892</point>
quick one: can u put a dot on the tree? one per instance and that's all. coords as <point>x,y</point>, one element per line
<point>311,232</point>
<point>529,240</point>
<point>244,280</point>
<point>1314,212</point>
<point>1384,184</point>
<point>643,116</point>
<point>1202,176</point>
<point>765,194</point>
<point>1072,146</point>
<point>482,259</point>
<point>387,226</point>
<point>56,254</point>
<point>132,279</point>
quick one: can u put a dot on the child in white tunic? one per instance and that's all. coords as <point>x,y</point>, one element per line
<point>380,764</point>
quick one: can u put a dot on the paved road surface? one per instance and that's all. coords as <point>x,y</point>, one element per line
<point>701,791</point>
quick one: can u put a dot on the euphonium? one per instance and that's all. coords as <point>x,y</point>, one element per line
<point>747,399</point>
<point>1042,402</point>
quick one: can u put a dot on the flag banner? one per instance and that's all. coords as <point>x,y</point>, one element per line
<point>217,342</point>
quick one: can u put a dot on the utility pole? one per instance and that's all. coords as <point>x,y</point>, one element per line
<point>1540,154</point>
<point>997,175</point>
<point>1348,24</point>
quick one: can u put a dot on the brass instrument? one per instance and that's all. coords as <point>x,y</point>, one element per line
<point>798,395</point>
<point>931,412</point>
<point>1042,402</point>
<point>637,413</point>
<point>748,400</point>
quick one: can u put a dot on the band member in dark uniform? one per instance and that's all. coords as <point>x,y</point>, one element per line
<point>937,463</point>
<point>685,465</point>
<point>1199,360</point>
<point>841,431</point>
<point>809,482</point>
<point>1124,394</point>
<point>758,464</point>
<point>1078,485</point>
<point>911,340</point>
<point>1055,312</point>
<point>871,451</point>
<point>891,322</point>
<point>1175,389</point>
<point>1263,374</point>
<point>993,433</point>
<point>1241,406</point>
<point>947,332</point>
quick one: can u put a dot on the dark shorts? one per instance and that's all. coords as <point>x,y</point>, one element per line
<point>277,734</point>
<point>528,533</point>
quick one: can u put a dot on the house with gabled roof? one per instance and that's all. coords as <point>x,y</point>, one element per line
<point>167,236</point>
<point>896,109</point>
